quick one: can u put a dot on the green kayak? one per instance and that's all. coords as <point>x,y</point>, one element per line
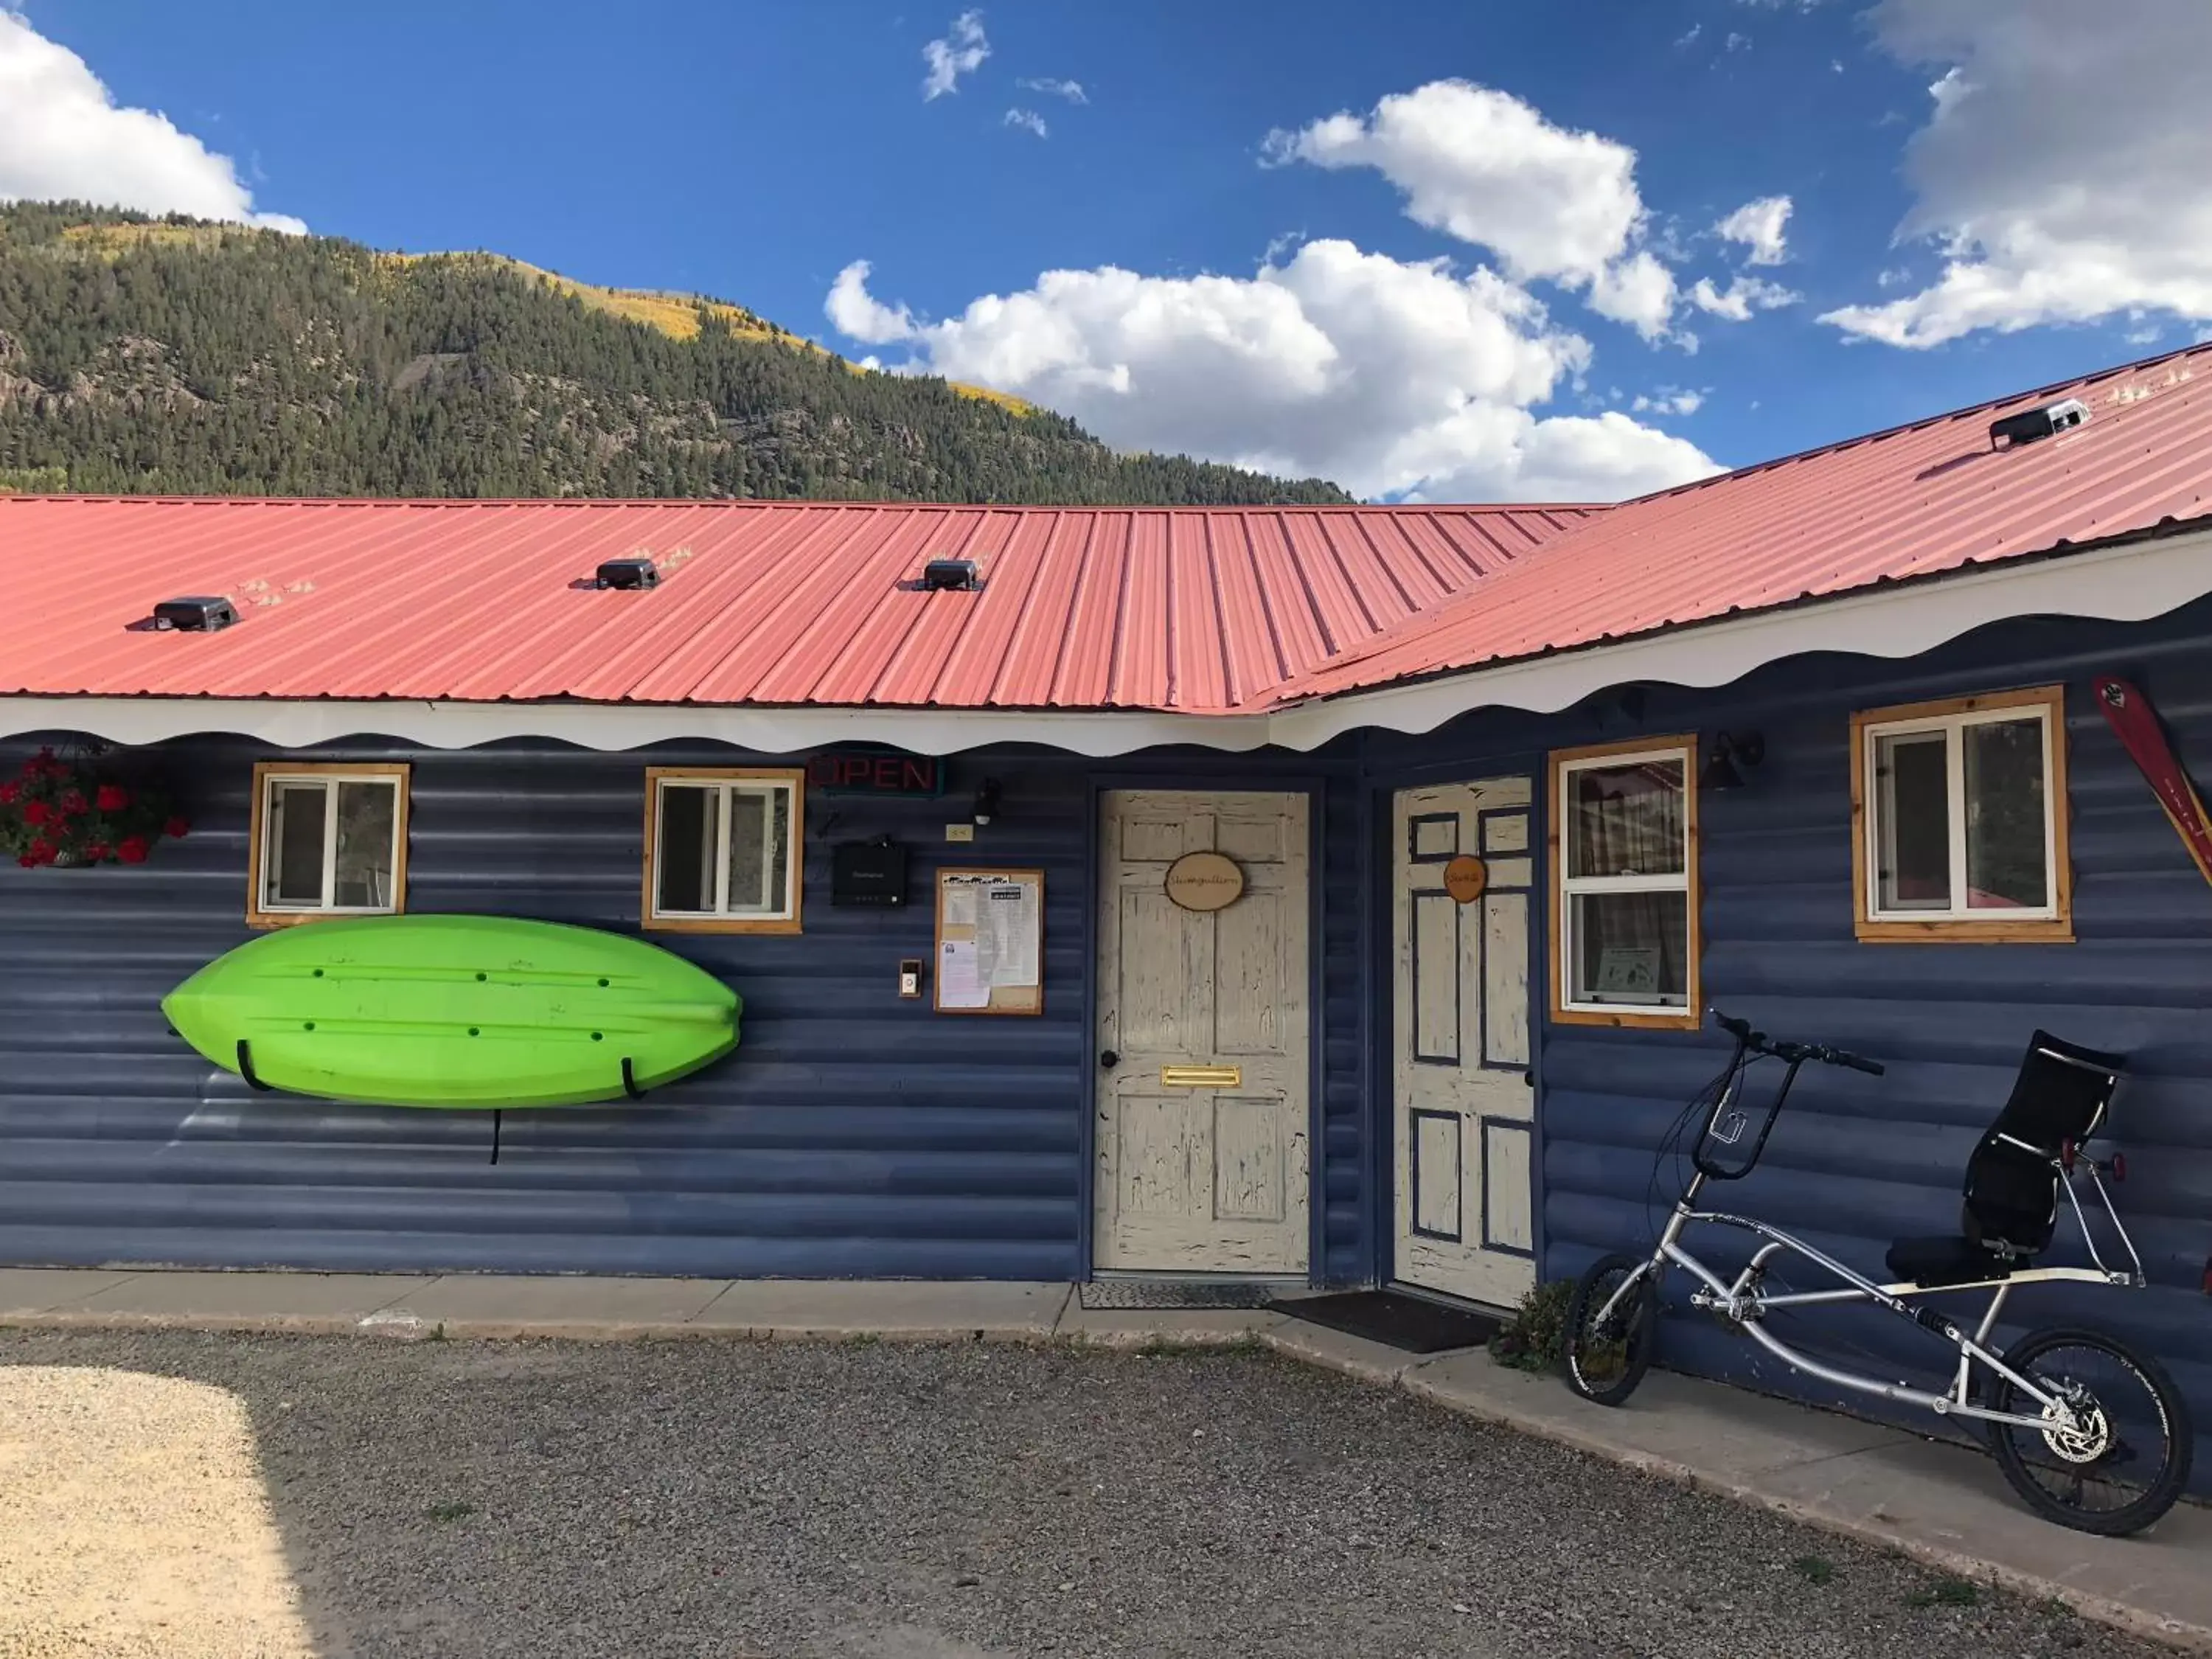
<point>458,1011</point>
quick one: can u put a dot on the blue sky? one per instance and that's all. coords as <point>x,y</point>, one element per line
<point>1461,288</point>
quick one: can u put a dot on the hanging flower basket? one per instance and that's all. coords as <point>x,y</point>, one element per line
<point>64,811</point>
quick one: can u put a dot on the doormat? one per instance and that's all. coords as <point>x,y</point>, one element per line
<point>1411,1323</point>
<point>1163,1293</point>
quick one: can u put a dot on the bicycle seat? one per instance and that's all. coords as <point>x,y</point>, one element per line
<point>1952,1260</point>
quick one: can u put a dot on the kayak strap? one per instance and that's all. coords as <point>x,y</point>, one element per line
<point>246,1068</point>
<point>629,1080</point>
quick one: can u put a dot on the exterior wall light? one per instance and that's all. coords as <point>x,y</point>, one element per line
<point>1729,748</point>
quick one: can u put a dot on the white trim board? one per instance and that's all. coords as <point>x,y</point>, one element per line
<point>2131,583</point>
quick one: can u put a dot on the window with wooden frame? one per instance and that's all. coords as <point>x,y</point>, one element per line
<point>327,841</point>
<point>725,847</point>
<point>1959,820</point>
<point>1623,855</point>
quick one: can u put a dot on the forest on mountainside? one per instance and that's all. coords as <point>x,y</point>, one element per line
<point>170,355</point>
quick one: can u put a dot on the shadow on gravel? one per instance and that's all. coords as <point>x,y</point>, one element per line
<point>890,1502</point>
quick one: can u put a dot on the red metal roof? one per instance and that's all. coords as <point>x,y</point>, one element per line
<point>1199,610</point>
<point>1918,500</point>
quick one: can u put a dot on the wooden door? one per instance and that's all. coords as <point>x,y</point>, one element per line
<point>1463,1110</point>
<point>1207,1176</point>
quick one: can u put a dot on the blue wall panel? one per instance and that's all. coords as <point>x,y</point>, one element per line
<point>851,1133</point>
<point>1855,1161</point>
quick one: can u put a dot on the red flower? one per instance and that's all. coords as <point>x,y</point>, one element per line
<point>10,793</point>
<point>113,798</point>
<point>97,852</point>
<point>38,813</point>
<point>40,851</point>
<point>133,849</point>
<point>177,828</point>
<point>28,861</point>
<point>73,801</point>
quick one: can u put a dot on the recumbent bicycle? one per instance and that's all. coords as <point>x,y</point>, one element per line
<point>2089,1429</point>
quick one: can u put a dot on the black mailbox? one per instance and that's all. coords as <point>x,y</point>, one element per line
<point>867,873</point>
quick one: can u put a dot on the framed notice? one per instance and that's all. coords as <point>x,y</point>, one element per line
<point>990,942</point>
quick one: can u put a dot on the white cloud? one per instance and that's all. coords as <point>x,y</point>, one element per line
<point>1690,37</point>
<point>1029,120</point>
<point>1759,226</point>
<point>960,51</point>
<point>1638,291</point>
<point>1391,377</point>
<point>2065,169</point>
<point>1484,166</point>
<point>1742,297</point>
<point>1670,400</point>
<point>1738,42</point>
<point>858,315</point>
<point>1071,90</point>
<point>63,135</point>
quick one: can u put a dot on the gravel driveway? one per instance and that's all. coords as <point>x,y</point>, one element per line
<point>724,1499</point>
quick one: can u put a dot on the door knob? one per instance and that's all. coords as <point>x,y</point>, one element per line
<point>1108,1059</point>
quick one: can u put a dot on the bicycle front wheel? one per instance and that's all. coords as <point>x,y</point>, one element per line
<point>1612,1324</point>
<point>2121,1459</point>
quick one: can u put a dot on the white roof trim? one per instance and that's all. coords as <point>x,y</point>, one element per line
<point>2131,583</point>
<point>307,723</point>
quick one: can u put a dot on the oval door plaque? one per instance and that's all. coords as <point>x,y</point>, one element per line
<point>1465,878</point>
<point>1205,881</point>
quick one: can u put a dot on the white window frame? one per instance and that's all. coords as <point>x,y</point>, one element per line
<point>726,781</point>
<point>262,909</point>
<point>1565,763</point>
<point>2053,919</point>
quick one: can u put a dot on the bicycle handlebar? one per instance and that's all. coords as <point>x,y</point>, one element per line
<point>1795,1053</point>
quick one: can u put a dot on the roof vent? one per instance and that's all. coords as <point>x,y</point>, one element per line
<point>628,573</point>
<point>957,575</point>
<point>2030,424</point>
<point>198,615</point>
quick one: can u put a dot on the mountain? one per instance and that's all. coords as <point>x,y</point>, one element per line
<point>176,356</point>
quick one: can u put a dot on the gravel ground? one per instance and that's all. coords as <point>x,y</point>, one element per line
<point>886,1502</point>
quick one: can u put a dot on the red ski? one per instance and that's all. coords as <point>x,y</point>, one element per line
<point>2129,713</point>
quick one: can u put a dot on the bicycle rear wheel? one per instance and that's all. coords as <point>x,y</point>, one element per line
<point>2126,1457</point>
<point>1610,1339</point>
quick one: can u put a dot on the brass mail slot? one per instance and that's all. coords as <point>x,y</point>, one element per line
<point>1201,1077</point>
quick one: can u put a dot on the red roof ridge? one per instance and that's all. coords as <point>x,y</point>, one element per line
<point>1891,505</point>
<point>1987,406</point>
<point>1409,509</point>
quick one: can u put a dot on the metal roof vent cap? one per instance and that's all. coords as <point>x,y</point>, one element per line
<point>628,573</point>
<point>953,575</point>
<point>2030,424</point>
<point>195,614</point>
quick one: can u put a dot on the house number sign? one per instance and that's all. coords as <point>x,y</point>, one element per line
<point>1205,881</point>
<point>1465,878</point>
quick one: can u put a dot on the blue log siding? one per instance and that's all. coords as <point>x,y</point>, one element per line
<point>851,1133</point>
<point>1855,1161</point>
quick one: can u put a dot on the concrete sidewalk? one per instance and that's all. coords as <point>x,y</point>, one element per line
<point>1936,1501</point>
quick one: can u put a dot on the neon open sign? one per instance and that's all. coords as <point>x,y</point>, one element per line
<point>876,774</point>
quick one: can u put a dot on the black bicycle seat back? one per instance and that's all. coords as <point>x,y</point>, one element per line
<point>2012,1179</point>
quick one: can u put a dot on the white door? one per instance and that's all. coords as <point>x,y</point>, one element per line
<point>1462,1108</point>
<point>1202,1131</point>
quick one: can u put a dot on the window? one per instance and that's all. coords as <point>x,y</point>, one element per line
<point>724,849</point>
<point>327,841</point>
<point>1959,810</point>
<point>1624,819</point>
